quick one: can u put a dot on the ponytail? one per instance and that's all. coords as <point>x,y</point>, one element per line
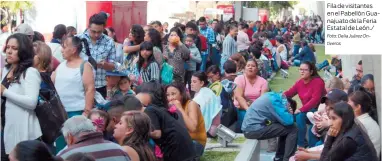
<point>86,45</point>
<point>91,60</point>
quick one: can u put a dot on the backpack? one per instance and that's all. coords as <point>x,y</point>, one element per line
<point>50,112</point>
<point>229,113</point>
<point>203,42</point>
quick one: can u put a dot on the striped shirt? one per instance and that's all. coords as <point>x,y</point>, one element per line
<point>103,49</point>
<point>94,145</point>
<point>229,47</point>
<point>151,72</point>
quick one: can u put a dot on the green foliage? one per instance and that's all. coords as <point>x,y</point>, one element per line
<point>274,7</point>
<point>219,156</point>
<point>9,8</point>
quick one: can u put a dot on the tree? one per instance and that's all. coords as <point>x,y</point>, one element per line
<point>273,6</point>
<point>11,8</point>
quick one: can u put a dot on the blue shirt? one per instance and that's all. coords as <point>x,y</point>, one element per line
<point>103,49</point>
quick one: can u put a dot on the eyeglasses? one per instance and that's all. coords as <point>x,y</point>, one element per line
<point>358,70</point>
<point>303,70</point>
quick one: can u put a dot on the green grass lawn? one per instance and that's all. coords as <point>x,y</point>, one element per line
<point>279,83</point>
<point>237,140</point>
<point>219,156</point>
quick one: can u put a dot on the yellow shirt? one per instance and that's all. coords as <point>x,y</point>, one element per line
<point>200,135</point>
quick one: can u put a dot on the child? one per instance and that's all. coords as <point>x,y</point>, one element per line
<point>112,79</point>
<point>124,88</point>
<point>194,58</point>
<point>100,120</point>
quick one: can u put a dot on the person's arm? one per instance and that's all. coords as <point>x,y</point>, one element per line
<point>109,64</point>
<point>195,56</point>
<point>185,52</point>
<point>317,90</point>
<point>31,88</point>
<point>264,87</point>
<point>155,72</point>
<point>227,46</point>
<point>53,77</point>
<point>128,49</point>
<point>191,117</point>
<point>238,94</point>
<point>291,92</point>
<point>345,148</point>
<point>88,80</point>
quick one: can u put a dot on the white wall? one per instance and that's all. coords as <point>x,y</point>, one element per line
<point>47,14</point>
<point>162,10</point>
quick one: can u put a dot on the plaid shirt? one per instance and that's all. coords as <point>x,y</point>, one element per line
<point>103,49</point>
<point>209,33</point>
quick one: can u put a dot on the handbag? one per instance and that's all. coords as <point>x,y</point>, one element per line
<point>50,112</point>
<point>167,73</point>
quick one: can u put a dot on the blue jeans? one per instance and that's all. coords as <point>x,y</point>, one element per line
<point>295,49</point>
<point>199,148</point>
<point>222,61</point>
<point>296,62</point>
<point>240,119</point>
<point>204,62</point>
<point>301,121</point>
<point>216,57</point>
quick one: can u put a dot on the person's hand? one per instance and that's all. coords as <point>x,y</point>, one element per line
<point>101,64</point>
<point>301,156</point>
<point>132,78</point>
<point>176,103</point>
<point>317,116</point>
<point>323,123</point>
<point>86,112</point>
<point>165,57</point>
<point>297,111</point>
<point>2,89</point>
<point>333,131</point>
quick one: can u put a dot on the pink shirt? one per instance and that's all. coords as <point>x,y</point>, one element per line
<point>251,92</point>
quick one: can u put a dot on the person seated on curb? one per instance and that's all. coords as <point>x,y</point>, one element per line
<point>321,125</point>
<point>271,116</point>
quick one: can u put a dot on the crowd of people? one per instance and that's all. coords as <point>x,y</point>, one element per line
<point>161,93</point>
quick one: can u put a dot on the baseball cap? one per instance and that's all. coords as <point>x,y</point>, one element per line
<point>24,29</point>
<point>335,95</point>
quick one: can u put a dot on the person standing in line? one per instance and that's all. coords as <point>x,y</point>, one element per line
<point>102,50</point>
<point>229,45</point>
<point>59,34</point>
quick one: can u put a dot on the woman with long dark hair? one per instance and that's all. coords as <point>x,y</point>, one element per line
<point>118,46</point>
<point>147,66</point>
<point>310,88</point>
<point>133,133</point>
<point>345,139</point>
<point>154,37</point>
<point>19,94</point>
<point>32,150</point>
<point>362,105</point>
<point>177,96</point>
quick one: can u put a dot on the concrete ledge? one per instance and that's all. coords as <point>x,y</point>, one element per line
<point>250,151</point>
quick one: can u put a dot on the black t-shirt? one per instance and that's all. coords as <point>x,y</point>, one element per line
<point>175,142</point>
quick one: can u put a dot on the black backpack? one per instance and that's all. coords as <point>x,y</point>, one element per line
<point>229,113</point>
